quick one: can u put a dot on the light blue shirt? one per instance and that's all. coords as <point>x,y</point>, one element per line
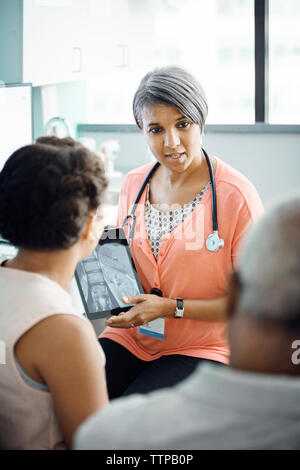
<point>215,408</point>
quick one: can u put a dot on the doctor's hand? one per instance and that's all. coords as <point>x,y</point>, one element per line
<point>147,307</point>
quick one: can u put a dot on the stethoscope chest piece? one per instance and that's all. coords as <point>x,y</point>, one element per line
<point>214,242</point>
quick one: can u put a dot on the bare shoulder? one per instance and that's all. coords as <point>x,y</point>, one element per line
<point>60,331</point>
<point>65,320</point>
<point>55,333</point>
<point>61,325</point>
<point>67,358</point>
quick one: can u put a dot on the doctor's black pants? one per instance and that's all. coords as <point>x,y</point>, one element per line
<point>127,374</point>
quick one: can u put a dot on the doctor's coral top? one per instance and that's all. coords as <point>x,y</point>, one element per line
<point>184,267</point>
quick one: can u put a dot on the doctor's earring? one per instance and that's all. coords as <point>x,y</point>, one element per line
<point>202,137</point>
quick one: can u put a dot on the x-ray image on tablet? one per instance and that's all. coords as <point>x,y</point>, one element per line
<point>107,275</point>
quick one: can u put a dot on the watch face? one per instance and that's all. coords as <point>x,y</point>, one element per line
<point>178,313</point>
<point>179,309</point>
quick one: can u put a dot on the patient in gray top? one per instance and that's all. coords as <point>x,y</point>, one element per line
<point>253,403</point>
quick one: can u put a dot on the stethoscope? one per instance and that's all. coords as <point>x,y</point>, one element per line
<point>213,241</point>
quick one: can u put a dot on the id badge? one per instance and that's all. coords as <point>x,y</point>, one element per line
<point>155,328</point>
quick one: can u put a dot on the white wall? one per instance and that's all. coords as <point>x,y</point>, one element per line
<point>271,161</point>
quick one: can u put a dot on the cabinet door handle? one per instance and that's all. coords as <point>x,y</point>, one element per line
<point>77,59</point>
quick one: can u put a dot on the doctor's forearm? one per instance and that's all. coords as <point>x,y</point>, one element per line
<point>209,310</point>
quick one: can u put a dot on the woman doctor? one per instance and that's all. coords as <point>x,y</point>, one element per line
<point>162,339</point>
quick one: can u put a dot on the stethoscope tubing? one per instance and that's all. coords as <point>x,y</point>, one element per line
<point>131,214</point>
<point>213,192</point>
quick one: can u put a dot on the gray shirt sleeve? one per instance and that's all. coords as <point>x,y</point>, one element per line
<point>114,427</point>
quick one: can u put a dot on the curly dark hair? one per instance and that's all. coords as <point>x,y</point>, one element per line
<point>47,191</point>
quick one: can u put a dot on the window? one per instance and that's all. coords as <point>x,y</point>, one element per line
<point>213,39</point>
<point>284,62</point>
<point>246,54</point>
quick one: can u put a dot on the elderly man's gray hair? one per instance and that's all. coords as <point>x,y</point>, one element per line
<point>173,86</point>
<point>270,265</point>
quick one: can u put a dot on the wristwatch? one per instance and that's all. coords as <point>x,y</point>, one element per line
<point>179,309</point>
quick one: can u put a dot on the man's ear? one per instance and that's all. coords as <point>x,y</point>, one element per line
<point>233,294</point>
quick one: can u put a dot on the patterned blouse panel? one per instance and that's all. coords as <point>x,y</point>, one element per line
<point>158,223</point>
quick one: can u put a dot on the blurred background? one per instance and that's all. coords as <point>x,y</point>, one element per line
<point>85,59</point>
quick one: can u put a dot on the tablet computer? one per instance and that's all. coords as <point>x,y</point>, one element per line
<point>107,275</point>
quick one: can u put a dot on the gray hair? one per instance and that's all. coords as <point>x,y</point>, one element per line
<point>175,87</point>
<point>270,265</point>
